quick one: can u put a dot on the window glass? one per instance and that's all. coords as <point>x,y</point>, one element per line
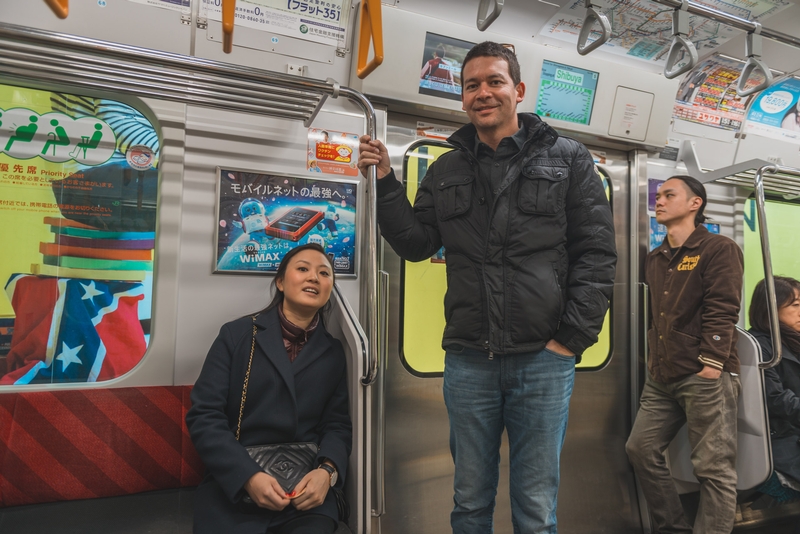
<point>784,243</point>
<point>78,190</point>
<point>424,284</point>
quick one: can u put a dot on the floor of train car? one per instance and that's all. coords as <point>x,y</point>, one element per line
<point>170,512</point>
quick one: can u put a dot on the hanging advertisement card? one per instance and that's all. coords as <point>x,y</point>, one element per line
<point>707,94</point>
<point>78,195</point>
<point>776,112</point>
<point>310,20</point>
<point>332,152</point>
<point>260,217</point>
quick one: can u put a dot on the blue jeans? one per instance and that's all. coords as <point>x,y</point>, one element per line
<point>528,394</point>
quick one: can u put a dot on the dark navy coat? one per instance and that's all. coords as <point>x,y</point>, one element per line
<point>304,400</point>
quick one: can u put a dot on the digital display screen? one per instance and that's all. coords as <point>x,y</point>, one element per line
<point>566,93</point>
<point>441,66</point>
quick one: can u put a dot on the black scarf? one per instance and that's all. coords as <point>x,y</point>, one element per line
<point>791,338</point>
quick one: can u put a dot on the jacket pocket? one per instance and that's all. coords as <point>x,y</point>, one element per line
<point>684,344</point>
<point>453,195</point>
<point>535,301</point>
<point>463,301</point>
<point>543,190</point>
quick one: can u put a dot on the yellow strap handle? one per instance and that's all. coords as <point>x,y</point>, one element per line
<point>228,14</point>
<point>371,27</point>
<point>59,7</point>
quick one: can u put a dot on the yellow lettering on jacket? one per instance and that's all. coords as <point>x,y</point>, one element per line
<point>688,263</point>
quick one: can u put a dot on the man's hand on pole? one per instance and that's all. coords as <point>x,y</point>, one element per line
<point>373,153</point>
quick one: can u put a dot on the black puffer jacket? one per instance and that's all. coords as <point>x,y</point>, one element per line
<point>533,262</point>
<point>782,388</point>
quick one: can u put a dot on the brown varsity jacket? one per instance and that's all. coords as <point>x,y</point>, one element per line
<point>694,306</point>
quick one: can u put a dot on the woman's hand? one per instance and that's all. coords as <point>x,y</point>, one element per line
<point>311,491</point>
<point>266,492</point>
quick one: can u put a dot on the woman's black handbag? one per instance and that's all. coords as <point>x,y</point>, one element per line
<point>288,463</point>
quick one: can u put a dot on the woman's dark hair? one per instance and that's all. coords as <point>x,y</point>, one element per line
<point>277,295</point>
<point>697,189</point>
<point>491,49</point>
<point>785,288</point>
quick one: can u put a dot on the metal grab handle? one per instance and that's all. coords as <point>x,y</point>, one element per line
<point>371,29</point>
<point>769,279</point>
<point>228,16</point>
<point>680,41</point>
<point>59,7</point>
<point>593,16</point>
<point>753,53</point>
<point>485,18</point>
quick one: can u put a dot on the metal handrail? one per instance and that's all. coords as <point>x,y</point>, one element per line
<point>769,279</point>
<point>732,20</point>
<point>30,55</point>
<point>485,18</point>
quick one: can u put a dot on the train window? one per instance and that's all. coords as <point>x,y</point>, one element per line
<point>424,283</point>
<point>78,191</point>
<point>784,243</point>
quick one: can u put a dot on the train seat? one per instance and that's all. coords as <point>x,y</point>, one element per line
<point>754,458</point>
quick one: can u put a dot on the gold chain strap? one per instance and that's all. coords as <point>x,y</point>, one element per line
<point>246,379</point>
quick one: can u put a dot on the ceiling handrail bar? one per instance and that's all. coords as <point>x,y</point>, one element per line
<point>59,7</point>
<point>732,20</point>
<point>680,42</point>
<point>753,52</point>
<point>313,91</point>
<point>486,18</point>
<point>769,279</point>
<point>593,16</point>
<point>371,29</point>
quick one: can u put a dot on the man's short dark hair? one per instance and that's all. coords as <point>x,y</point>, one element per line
<point>785,288</point>
<point>696,188</point>
<point>491,49</point>
<point>439,51</point>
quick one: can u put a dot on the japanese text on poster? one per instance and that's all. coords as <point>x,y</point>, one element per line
<point>78,186</point>
<point>263,216</point>
<point>332,152</point>
<point>320,21</point>
<point>707,94</point>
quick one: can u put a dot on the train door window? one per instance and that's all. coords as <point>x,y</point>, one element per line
<point>424,284</point>
<point>78,192</point>
<point>784,243</point>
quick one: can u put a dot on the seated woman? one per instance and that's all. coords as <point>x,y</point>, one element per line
<point>782,383</point>
<point>292,376</point>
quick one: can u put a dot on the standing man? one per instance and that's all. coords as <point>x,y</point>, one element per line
<point>529,239</point>
<point>695,280</point>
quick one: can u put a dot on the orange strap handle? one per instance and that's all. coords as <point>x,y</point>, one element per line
<point>59,7</point>
<point>371,27</point>
<point>228,14</point>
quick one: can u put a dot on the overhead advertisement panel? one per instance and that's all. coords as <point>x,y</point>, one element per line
<point>310,20</point>
<point>707,95</point>
<point>776,112</point>
<point>643,29</point>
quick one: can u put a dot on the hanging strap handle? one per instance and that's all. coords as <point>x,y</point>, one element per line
<point>59,7</point>
<point>593,16</point>
<point>680,44</point>
<point>754,62</point>
<point>485,18</point>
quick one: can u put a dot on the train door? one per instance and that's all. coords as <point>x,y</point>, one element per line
<point>416,495</point>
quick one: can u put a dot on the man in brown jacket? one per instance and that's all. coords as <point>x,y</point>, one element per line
<point>695,280</point>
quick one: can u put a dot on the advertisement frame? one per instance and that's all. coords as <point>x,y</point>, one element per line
<point>294,176</point>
